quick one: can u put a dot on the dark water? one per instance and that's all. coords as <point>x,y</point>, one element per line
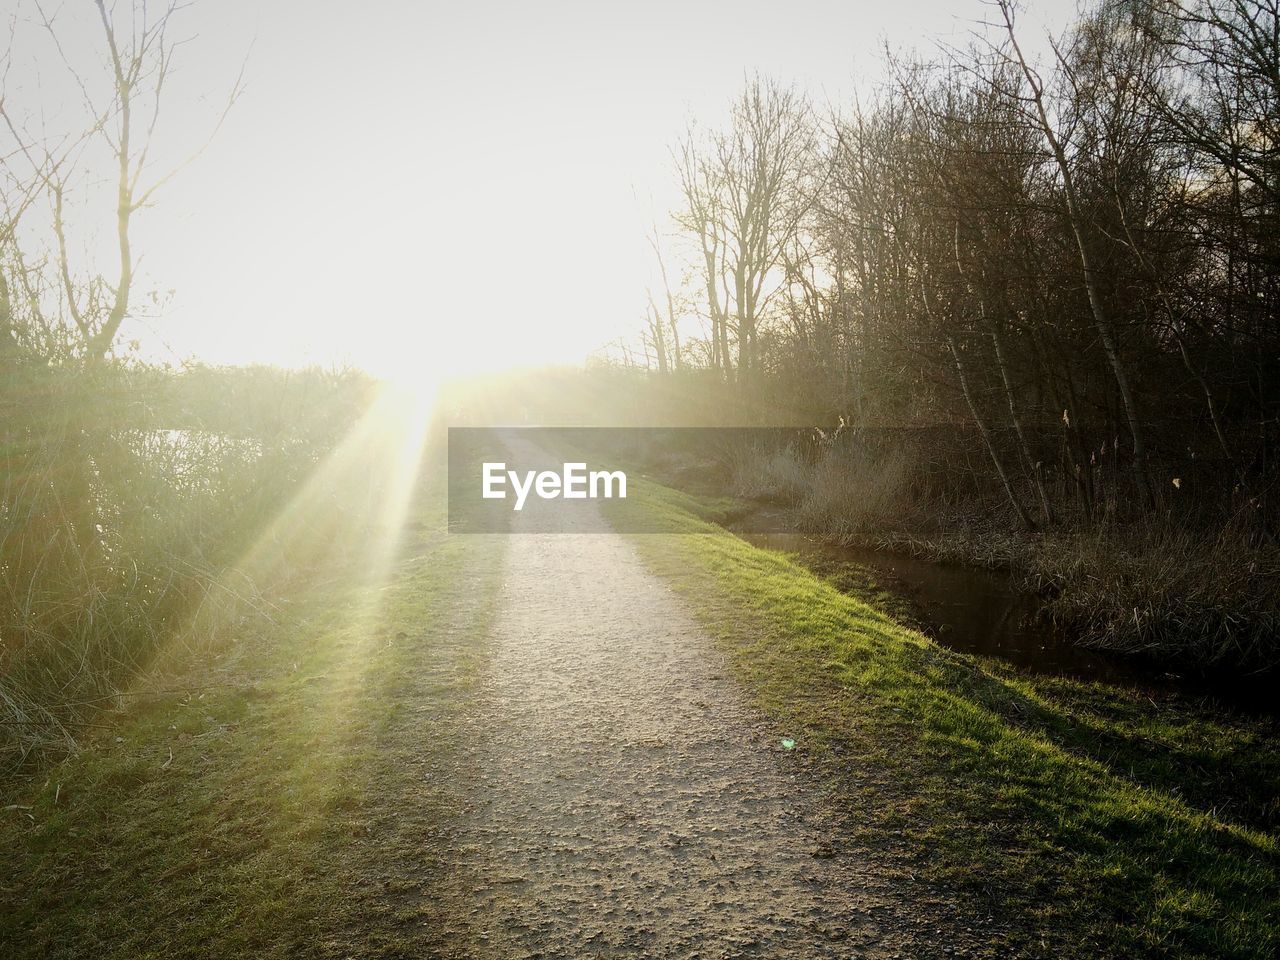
<point>988,613</point>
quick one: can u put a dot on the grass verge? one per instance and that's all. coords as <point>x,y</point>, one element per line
<point>285,799</point>
<point>1095,822</point>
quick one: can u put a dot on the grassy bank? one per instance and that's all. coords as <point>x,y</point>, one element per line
<point>1091,821</point>
<point>286,798</point>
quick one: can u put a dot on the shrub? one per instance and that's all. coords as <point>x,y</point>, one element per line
<point>122,517</point>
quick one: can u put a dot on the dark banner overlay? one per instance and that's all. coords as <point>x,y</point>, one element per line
<point>595,479</point>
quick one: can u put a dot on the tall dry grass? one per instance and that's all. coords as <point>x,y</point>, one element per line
<point>1205,594</point>
<point>126,495</point>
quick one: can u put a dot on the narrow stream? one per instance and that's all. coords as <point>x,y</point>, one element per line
<point>988,613</point>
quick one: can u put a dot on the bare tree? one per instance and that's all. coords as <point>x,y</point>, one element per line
<point>1080,228</point>
<point>657,335</point>
<point>672,320</point>
<point>744,200</point>
<point>122,113</point>
<point>52,312</point>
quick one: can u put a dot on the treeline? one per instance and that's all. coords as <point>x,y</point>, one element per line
<point>1077,257</point>
<point>1069,262</point>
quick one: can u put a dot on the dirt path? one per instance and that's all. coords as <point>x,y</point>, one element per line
<point>627,802</point>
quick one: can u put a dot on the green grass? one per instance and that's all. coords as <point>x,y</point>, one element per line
<point>1088,821</point>
<point>315,774</point>
<point>284,799</point>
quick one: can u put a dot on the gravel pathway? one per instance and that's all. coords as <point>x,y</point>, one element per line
<point>627,801</point>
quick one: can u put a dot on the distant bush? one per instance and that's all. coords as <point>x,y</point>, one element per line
<point>773,475</point>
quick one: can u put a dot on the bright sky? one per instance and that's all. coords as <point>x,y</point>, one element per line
<point>416,185</point>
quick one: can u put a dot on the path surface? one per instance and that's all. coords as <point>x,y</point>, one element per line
<point>627,802</point>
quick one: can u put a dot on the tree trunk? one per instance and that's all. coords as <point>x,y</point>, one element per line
<point>1023,516</point>
<point>1033,465</point>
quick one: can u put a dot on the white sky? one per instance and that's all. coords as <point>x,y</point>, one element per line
<point>413,185</point>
